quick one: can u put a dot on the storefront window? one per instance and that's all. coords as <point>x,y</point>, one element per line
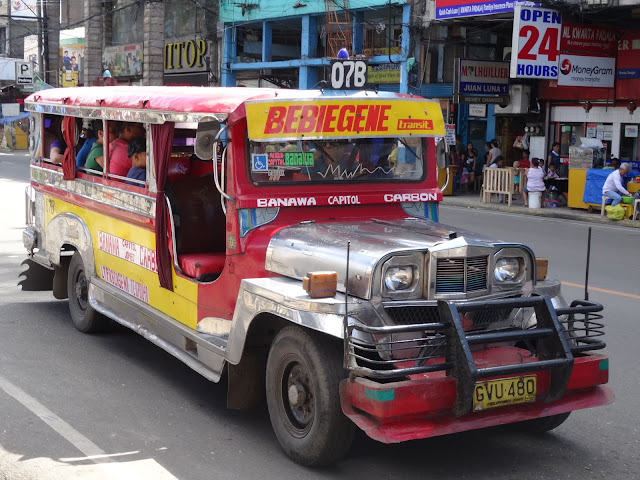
<point>570,134</point>
<point>629,145</point>
<point>181,19</point>
<point>128,23</point>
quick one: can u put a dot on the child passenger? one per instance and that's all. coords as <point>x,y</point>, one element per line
<point>137,151</point>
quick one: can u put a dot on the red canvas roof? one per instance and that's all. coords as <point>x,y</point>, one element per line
<point>166,99</point>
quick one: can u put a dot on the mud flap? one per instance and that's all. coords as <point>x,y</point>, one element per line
<point>246,381</point>
<point>36,277</point>
<point>60,279</point>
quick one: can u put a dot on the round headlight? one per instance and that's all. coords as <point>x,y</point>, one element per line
<point>398,278</point>
<point>507,270</point>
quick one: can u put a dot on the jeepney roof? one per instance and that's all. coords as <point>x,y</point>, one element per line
<point>168,103</point>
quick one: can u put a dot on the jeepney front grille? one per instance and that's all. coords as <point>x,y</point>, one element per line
<point>461,275</point>
<point>417,314</point>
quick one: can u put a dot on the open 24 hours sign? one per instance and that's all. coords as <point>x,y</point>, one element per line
<point>536,43</point>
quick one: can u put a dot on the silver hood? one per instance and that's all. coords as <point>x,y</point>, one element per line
<point>297,250</point>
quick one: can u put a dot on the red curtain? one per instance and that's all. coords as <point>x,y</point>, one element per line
<point>162,140</point>
<point>69,160</point>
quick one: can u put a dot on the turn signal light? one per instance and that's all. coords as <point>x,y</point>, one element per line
<point>542,265</point>
<point>320,284</point>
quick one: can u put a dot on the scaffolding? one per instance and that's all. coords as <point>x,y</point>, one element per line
<point>338,28</point>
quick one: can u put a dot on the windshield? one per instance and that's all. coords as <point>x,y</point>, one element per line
<point>357,160</point>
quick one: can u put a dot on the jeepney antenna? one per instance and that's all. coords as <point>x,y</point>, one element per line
<point>345,322</point>
<point>586,278</point>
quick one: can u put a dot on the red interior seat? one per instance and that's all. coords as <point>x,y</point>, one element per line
<point>197,265</point>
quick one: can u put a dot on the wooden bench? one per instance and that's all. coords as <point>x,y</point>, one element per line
<point>499,181</point>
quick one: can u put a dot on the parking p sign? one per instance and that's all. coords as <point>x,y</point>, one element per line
<point>24,73</point>
<point>535,43</point>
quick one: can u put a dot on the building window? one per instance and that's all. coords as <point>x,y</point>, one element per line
<point>3,41</point>
<point>128,23</point>
<point>182,19</point>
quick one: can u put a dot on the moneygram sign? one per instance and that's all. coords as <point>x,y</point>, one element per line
<point>582,71</point>
<point>470,8</point>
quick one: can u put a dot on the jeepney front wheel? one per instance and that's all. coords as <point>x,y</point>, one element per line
<point>302,380</point>
<point>84,317</point>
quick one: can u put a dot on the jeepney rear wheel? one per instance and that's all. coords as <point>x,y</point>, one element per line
<point>542,425</point>
<point>84,317</point>
<point>303,374</point>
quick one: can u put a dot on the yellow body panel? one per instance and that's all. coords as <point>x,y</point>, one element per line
<point>181,304</point>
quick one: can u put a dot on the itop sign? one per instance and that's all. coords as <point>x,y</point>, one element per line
<point>536,43</point>
<point>583,71</point>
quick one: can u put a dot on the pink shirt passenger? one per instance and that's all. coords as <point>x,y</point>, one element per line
<point>119,161</point>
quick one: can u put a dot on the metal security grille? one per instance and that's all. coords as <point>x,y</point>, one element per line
<point>461,275</point>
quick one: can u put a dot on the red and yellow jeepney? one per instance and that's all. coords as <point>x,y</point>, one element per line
<point>290,239</point>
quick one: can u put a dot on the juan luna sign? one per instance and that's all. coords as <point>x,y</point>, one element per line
<point>478,77</point>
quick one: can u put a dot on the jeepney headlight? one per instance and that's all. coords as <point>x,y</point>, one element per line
<point>507,270</point>
<point>399,278</point>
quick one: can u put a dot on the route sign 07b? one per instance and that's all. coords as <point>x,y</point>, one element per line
<point>349,74</point>
<point>535,43</point>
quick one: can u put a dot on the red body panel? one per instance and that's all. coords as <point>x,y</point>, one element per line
<point>422,406</point>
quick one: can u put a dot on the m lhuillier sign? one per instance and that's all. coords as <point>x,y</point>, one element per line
<point>477,77</point>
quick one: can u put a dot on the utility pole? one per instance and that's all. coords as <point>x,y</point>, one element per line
<point>40,33</point>
<point>8,48</point>
<point>45,40</point>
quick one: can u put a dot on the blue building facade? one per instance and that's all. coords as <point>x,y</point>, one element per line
<point>290,43</point>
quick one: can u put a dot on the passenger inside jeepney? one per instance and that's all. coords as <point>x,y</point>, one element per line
<point>119,161</point>
<point>137,152</point>
<point>54,144</point>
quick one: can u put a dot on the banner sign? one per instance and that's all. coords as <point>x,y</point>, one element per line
<point>588,39</point>
<point>629,56</point>
<point>536,43</point>
<point>477,77</point>
<point>471,8</point>
<point>346,118</point>
<point>583,71</point>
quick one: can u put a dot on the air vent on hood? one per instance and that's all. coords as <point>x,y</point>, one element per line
<point>461,275</point>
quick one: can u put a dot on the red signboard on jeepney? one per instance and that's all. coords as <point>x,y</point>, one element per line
<point>302,119</point>
<point>588,38</point>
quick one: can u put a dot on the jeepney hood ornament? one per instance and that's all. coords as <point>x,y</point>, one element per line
<point>299,249</point>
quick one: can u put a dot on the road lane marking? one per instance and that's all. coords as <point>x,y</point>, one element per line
<point>145,469</point>
<point>603,290</point>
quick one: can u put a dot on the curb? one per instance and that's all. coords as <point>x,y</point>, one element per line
<point>542,212</point>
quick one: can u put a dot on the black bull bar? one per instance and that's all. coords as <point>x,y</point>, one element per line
<point>374,353</point>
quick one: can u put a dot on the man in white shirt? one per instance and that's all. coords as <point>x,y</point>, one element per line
<point>613,184</point>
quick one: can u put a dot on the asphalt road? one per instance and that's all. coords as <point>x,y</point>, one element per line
<point>113,406</point>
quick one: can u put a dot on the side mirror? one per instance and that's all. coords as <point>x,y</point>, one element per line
<point>208,128</point>
<point>442,153</point>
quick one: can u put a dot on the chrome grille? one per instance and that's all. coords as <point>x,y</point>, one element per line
<point>461,275</point>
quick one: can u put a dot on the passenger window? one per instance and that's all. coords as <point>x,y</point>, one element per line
<point>127,155</point>
<point>54,144</point>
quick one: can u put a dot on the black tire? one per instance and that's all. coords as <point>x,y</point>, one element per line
<point>311,429</point>
<point>84,317</point>
<point>541,425</point>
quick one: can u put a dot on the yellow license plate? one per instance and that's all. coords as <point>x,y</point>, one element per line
<point>504,391</point>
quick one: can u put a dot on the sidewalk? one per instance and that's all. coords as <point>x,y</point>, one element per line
<point>472,200</point>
